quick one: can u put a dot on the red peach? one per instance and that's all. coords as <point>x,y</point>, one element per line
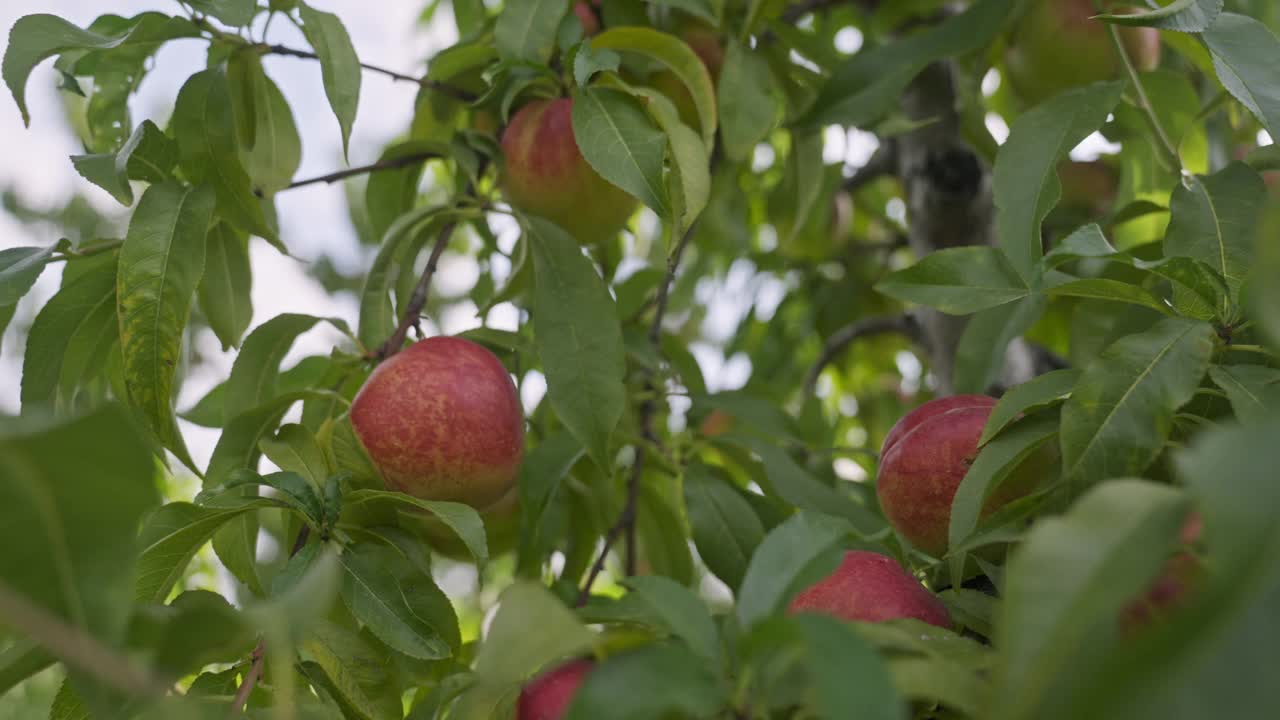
<point>441,420</point>
<point>871,587</point>
<point>548,696</point>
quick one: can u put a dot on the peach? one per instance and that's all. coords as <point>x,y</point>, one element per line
<point>548,696</point>
<point>871,587</point>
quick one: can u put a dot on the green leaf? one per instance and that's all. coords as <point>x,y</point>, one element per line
<point>1121,411</point>
<point>683,613</point>
<point>980,356</point>
<point>578,340</point>
<point>225,289</point>
<point>295,449</point>
<point>339,65</point>
<point>541,473</point>
<point>392,193</point>
<point>526,29</point>
<point>1239,46</point>
<point>400,245</point>
<point>1067,584</point>
<point>848,676</point>
<point>726,530</point>
<point>531,629</point>
<point>675,55</point>
<point>795,485</point>
<point>169,538</point>
<point>354,672</point>
<point>20,267</point>
<point>196,629</point>
<point>749,107</point>
<point>1213,219</point>
<point>1107,289</point>
<point>302,596</point>
<point>161,262</point>
<point>36,37</point>
<point>291,490</point>
<point>254,374</point>
<point>6,316</point>
<point>83,308</point>
<point>620,142</point>
<point>236,13</point>
<point>1086,242</point>
<point>803,181</point>
<point>272,151</point>
<point>787,555</point>
<point>662,534</point>
<point>1037,393</point>
<point>1190,16</point>
<point>992,466</point>
<point>1254,390</point>
<point>461,519</point>
<point>71,499</point>
<point>867,86</point>
<point>19,661</point>
<point>652,681</point>
<point>405,611</point>
<point>309,371</point>
<point>587,62</point>
<point>204,125</point>
<point>1025,179</point>
<point>1206,286</point>
<point>958,281</point>
<point>148,155</point>
<point>691,167</point>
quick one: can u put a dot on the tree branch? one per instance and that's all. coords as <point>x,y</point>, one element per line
<point>418,300</point>
<point>387,164</point>
<point>864,328</point>
<point>443,88</point>
<point>882,162</point>
<point>626,523</point>
<point>250,679</point>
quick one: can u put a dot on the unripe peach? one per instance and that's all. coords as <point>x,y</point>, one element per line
<point>927,454</point>
<point>547,176</point>
<point>441,420</point>
<point>1058,45</point>
<point>871,587</point>
<point>548,696</point>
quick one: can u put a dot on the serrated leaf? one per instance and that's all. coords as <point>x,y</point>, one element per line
<point>83,308</point>
<point>1068,582</point>
<point>411,615</point>
<point>578,339</point>
<point>1253,390</point>
<point>1039,392</point>
<point>36,37</point>
<point>864,88</point>
<point>958,280</point>
<point>256,369</point>
<point>1212,221</point>
<point>295,449</point>
<point>161,262</point>
<point>20,267</point>
<point>275,153</point>
<point>749,107</point>
<point>726,530</point>
<point>291,490</point>
<point>675,55</point>
<point>526,29</point>
<point>225,288</point>
<point>1189,16</point>
<point>169,538</point>
<point>1121,411</point>
<point>339,65</point>
<point>1239,46</point>
<point>619,142</point>
<point>204,126</point>
<point>461,519</point>
<point>784,558</point>
<point>352,671</point>
<point>1025,179</point>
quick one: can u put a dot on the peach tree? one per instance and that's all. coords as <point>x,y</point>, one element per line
<point>1059,253</point>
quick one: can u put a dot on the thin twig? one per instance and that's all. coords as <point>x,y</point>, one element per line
<point>387,164</point>
<point>87,252</point>
<point>443,88</point>
<point>418,300</point>
<point>612,536</point>
<point>250,679</point>
<point>864,328</point>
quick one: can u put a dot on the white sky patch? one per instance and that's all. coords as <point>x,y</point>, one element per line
<point>834,142</point>
<point>762,158</point>
<point>990,82</point>
<point>1264,138</point>
<point>1093,147</point>
<point>848,40</point>
<point>860,147</point>
<point>998,128</point>
<point>847,469</point>
<point>532,390</point>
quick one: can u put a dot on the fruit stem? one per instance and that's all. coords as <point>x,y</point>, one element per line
<point>1144,103</point>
